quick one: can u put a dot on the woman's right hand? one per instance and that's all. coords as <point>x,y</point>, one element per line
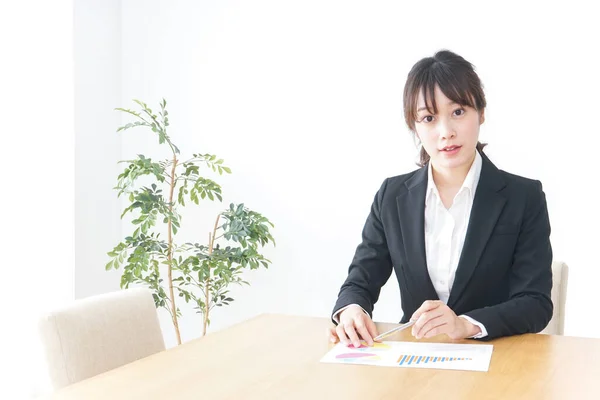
<point>354,325</point>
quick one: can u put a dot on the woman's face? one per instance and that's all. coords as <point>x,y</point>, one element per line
<point>450,136</point>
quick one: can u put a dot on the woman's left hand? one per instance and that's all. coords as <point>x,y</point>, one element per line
<point>435,318</point>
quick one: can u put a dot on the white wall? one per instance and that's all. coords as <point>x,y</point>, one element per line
<point>304,101</point>
<point>97,65</point>
<point>37,195</point>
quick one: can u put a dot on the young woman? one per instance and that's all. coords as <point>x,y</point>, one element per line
<point>469,243</point>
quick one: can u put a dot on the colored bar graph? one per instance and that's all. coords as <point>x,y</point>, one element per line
<point>408,359</point>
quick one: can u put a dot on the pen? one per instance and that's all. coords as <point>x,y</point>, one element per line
<point>394,330</point>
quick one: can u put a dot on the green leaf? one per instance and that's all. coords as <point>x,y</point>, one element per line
<point>142,252</point>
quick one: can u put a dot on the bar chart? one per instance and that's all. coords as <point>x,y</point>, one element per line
<point>409,359</point>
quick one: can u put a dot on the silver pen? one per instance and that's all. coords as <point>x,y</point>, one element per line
<point>394,330</point>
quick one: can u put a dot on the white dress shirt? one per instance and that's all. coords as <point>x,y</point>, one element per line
<point>445,232</point>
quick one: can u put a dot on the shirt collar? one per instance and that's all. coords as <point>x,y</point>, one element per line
<point>469,184</point>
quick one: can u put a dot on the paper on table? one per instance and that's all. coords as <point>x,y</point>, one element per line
<point>467,357</point>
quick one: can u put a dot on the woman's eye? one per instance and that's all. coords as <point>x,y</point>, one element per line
<point>459,112</point>
<point>427,118</point>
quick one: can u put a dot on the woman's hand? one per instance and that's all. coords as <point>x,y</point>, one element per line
<point>354,325</point>
<point>435,318</point>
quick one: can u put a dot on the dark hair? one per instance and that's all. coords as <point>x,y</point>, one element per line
<point>456,78</point>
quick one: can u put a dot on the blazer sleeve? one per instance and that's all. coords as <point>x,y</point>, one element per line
<point>371,265</point>
<point>529,307</point>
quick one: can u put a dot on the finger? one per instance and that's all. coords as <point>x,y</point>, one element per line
<point>362,330</point>
<point>351,332</point>
<point>425,318</point>
<point>431,326</point>
<point>426,306</point>
<point>341,333</point>
<point>438,330</point>
<point>332,334</point>
<point>372,328</point>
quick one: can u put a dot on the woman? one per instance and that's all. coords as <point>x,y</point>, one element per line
<point>469,243</point>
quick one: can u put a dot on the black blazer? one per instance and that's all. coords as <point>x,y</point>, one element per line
<point>504,275</point>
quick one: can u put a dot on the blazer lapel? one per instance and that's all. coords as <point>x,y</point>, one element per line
<point>411,210</point>
<point>487,206</point>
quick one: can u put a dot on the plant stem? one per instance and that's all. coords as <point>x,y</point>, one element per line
<point>170,253</point>
<point>211,242</point>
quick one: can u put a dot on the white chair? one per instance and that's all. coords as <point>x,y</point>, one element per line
<point>99,333</point>
<point>560,277</point>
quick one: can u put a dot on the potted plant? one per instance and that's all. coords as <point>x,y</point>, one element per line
<point>198,273</point>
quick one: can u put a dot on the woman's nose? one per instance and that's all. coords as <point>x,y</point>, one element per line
<point>446,130</point>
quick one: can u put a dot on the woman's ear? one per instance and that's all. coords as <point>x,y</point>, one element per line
<point>481,117</point>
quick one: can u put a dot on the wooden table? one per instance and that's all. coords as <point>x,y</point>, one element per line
<point>277,357</point>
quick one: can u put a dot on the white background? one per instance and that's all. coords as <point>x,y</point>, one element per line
<point>303,100</point>
<point>37,199</point>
